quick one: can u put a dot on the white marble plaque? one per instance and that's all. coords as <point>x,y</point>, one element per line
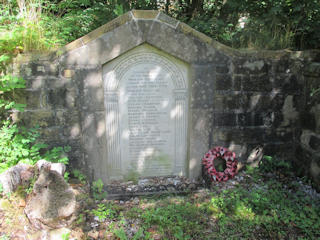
<point>146,100</point>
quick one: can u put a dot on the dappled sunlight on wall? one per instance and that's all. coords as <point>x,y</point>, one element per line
<point>148,89</point>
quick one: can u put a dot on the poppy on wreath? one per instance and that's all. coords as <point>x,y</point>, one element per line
<point>209,168</point>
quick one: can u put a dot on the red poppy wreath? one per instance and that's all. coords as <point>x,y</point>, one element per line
<point>225,154</point>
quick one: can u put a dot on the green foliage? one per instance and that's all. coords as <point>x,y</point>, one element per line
<point>255,24</point>
<point>80,176</point>
<point>18,144</point>
<point>81,219</point>
<point>30,186</point>
<point>65,236</point>
<point>97,190</point>
<point>271,209</point>
<point>275,165</point>
<point>264,24</point>
<point>104,211</point>
<point>314,92</point>
<point>178,221</point>
<point>66,176</point>
<point>57,155</point>
<point>24,27</point>
<point>121,234</point>
<point>4,237</point>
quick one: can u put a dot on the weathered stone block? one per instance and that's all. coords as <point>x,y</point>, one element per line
<point>312,69</point>
<point>315,143</point>
<point>307,163</point>
<point>68,73</point>
<point>188,48</point>
<point>223,82</point>
<point>279,134</point>
<point>288,83</point>
<point>186,29</point>
<point>168,20</point>
<point>223,102</point>
<point>25,70</point>
<point>260,102</point>
<point>67,117</point>
<point>281,66</point>
<point>62,98</point>
<point>72,131</point>
<point>141,29</point>
<point>224,119</point>
<point>260,83</point>
<point>93,137</point>
<point>201,122</point>
<point>71,122</point>
<point>238,136</point>
<point>32,99</point>
<point>203,90</point>
<point>250,66</point>
<point>145,14</point>
<point>51,135</point>
<point>94,99</point>
<point>37,82</point>
<point>251,119</point>
<point>222,69</point>
<point>237,82</point>
<point>43,118</point>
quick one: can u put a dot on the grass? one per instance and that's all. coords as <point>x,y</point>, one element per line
<point>257,207</point>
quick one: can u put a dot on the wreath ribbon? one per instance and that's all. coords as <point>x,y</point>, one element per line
<point>231,163</point>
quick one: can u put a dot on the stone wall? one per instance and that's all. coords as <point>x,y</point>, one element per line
<point>247,101</point>
<point>307,161</point>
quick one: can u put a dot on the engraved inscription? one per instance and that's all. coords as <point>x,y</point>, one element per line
<point>146,99</point>
<point>149,129</point>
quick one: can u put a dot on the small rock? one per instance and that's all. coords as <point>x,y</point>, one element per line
<point>93,234</point>
<point>169,180</point>
<point>102,234</point>
<point>176,182</point>
<point>136,200</point>
<point>22,203</point>
<point>182,187</point>
<point>143,182</point>
<point>94,224</point>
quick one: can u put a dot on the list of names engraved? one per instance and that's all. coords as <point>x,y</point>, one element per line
<point>147,92</point>
<point>146,100</point>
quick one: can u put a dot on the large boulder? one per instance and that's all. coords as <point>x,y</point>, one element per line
<point>52,203</point>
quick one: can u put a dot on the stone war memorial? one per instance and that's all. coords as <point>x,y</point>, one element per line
<point>146,95</point>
